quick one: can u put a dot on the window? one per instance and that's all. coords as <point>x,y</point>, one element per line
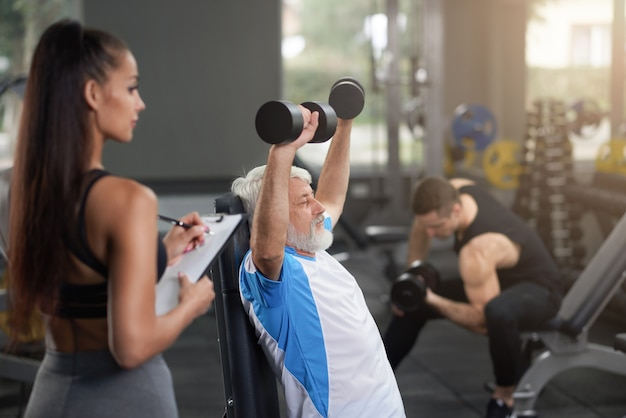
<point>568,56</point>
<point>325,40</point>
<point>591,45</point>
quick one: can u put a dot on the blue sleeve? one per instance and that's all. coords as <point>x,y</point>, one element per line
<point>257,288</point>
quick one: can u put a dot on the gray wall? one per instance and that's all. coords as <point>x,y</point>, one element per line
<point>205,67</point>
<point>485,62</point>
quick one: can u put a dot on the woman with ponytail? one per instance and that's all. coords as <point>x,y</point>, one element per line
<point>84,247</point>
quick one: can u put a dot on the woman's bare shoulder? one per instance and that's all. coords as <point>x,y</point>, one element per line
<point>117,195</point>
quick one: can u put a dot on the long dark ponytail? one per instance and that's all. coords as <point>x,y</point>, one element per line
<point>52,155</point>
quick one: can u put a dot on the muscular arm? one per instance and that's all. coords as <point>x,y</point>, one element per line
<point>478,261</point>
<point>419,243</point>
<point>271,215</point>
<point>333,182</point>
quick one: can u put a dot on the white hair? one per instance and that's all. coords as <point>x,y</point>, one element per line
<point>248,187</point>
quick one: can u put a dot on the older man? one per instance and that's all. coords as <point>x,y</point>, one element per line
<point>307,309</point>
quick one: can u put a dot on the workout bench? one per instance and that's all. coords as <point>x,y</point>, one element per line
<point>565,336</point>
<point>249,382</point>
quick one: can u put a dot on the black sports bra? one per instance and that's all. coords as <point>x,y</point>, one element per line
<point>90,300</point>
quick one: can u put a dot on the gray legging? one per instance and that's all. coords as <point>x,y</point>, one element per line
<point>91,384</point>
<point>519,307</point>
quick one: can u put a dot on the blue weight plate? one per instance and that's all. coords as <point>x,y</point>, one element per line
<point>474,127</point>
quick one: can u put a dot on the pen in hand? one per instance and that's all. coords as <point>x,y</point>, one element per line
<point>180,223</point>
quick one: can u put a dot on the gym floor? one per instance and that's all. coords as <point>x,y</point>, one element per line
<point>444,376</point>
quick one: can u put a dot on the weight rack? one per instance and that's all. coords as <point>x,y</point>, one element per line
<point>547,167</point>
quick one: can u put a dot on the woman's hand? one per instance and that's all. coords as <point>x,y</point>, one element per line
<point>197,296</point>
<point>180,240</point>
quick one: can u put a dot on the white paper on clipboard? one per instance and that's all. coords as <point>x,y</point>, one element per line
<point>195,262</point>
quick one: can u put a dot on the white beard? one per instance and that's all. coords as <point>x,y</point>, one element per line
<point>310,242</point>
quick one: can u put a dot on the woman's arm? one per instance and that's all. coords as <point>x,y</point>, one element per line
<point>126,216</point>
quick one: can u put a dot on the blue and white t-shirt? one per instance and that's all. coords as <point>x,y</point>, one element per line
<point>320,339</point>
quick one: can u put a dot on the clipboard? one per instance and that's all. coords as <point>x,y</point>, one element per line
<point>195,262</point>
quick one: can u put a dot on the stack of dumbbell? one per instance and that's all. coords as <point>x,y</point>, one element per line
<point>526,203</point>
<point>540,198</point>
<point>557,171</point>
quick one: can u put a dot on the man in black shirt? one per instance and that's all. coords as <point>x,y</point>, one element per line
<point>509,281</point>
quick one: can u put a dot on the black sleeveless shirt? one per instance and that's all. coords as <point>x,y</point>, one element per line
<point>535,262</point>
<point>90,300</point>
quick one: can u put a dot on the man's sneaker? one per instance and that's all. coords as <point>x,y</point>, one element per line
<point>496,408</point>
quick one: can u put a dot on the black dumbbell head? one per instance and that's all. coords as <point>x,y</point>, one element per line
<point>327,121</point>
<point>347,97</point>
<point>409,289</point>
<point>279,122</point>
<point>427,272</point>
<point>408,292</point>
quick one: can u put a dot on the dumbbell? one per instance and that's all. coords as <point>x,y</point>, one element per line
<point>281,121</point>
<point>409,289</point>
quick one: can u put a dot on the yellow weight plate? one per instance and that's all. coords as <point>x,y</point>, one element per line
<point>501,164</point>
<point>611,157</point>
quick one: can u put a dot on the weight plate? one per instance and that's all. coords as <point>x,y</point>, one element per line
<point>473,126</point>
<point>611,157</point>
<point>501,164</point>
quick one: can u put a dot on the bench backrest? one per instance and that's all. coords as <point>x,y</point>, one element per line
<point>596,284</point>
<point>249,383</point>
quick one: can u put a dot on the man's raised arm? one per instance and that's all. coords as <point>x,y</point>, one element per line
<point>271,216</point>
<point>334,178</point>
